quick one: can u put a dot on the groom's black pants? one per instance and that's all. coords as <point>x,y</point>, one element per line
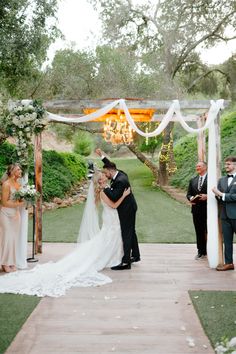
<point>129,237</point>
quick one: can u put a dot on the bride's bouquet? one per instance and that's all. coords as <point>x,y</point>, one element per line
<point>27,193</point>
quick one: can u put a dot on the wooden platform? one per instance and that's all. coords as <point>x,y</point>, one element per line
<point>144,310</point>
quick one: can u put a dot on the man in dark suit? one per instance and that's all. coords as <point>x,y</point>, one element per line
<point>197,195</point>
<point>126,211</point>
<point>226,195</point>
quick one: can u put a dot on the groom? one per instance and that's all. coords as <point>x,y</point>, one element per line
<point>126,210</point>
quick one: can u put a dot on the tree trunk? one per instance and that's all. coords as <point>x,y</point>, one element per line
<point>171,163</point>
<point>145,160</point>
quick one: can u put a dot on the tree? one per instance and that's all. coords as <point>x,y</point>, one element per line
<point>27,28</point>
<point>166,36</point>
<point>170,31</point>
<point>70,76</point>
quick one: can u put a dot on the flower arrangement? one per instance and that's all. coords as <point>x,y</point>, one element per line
<point>226,346</point>
<point>27,193</point>
<point>24,119</point>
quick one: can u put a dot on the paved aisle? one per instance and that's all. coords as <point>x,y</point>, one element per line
<point>145,310</point>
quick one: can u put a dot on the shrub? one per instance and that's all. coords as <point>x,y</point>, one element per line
<point>83,143</point>
<point>7,156</point>
<point>60,170</point>
<point>76,164</point>
<point>185,151</point>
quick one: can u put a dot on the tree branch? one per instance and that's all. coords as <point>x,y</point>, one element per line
<point>206,74</point>
<point>83,128</point>
<point>186,50</point>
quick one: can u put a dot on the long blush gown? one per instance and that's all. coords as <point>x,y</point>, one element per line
<point>10,223</point>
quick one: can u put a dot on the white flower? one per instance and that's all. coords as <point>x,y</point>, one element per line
<point>11,105</point>
<point>220,349</point>
<point>232,342</point>
<point>15,121</point>
<point>26,102</point>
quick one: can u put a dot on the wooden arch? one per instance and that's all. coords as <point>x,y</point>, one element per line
<point>141,110</point>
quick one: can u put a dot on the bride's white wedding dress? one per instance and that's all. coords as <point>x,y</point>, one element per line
<point>77,269</point>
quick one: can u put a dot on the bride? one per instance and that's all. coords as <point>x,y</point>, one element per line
<point>97,250</point>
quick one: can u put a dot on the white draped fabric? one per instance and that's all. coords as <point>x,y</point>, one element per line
<point>89,226</point>
<point>21,253</point>
<point>216,106</point>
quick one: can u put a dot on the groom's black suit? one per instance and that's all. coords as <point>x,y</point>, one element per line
<point>127,213</point>
<point>228,215</point>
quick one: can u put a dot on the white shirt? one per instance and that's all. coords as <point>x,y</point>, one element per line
<point>114,177</point>
<point>229,182</point>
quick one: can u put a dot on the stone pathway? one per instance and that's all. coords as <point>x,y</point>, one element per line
<point>145,310</point>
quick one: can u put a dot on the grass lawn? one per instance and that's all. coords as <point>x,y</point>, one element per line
<point>160,219</point>
<point>15,309</point>
<point>217,313</point>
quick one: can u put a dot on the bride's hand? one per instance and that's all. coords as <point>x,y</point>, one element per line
<point>126,192</point>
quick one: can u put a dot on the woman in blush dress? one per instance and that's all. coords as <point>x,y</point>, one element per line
<point>9,219</point>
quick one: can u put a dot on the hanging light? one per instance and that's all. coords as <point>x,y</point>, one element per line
<point>118,131</point>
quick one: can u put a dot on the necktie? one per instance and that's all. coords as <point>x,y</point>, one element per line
<point>230,176</point>
<point>200,183</point>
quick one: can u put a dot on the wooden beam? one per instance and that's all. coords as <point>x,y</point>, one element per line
<point>38,185</point>
<point>78,106</point>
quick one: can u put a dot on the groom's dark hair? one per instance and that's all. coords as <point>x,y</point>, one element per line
<point>110,166</point>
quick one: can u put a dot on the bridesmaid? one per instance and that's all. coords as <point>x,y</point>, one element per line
<point>9,219</point>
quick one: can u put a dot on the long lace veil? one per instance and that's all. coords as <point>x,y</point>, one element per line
<point>89,226</point>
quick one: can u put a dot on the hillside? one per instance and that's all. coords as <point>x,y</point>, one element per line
<point>185,150</point>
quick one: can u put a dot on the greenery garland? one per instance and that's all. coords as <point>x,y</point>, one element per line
<point>23,120</point>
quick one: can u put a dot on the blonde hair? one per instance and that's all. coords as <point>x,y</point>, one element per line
<point>97,188</point>
<point>8,172</point>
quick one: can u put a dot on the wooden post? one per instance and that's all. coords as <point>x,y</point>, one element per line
<point>201,140</point>
<point>38,185</point>
<point>218,164</point>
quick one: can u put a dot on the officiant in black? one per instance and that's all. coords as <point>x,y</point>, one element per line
<point>197,195</point>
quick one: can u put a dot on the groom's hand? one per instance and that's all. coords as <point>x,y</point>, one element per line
<point>99,152</point>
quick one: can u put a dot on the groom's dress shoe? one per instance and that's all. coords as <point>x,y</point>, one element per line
<point>135,259</point>
<point>225,267</point>
<point>122,266</point>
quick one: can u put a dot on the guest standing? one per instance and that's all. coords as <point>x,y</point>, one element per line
<point>226,195</point>
<point>197,195</point>
<point>9,219</point>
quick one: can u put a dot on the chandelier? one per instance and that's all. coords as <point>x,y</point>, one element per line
<point>117,131</point>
